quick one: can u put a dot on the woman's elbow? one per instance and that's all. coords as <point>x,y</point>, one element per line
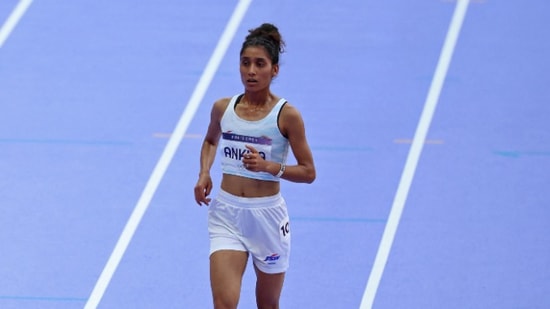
<point>311,175</point>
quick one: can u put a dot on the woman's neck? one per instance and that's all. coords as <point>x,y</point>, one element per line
<point>258,98</point>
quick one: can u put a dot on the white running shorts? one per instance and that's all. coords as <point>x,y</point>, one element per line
<point>258,225</point>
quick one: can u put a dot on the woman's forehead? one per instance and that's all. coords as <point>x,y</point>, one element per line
<point>254,52</point>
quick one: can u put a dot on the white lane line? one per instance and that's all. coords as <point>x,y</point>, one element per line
<point>168,154</point>
<point>13,19</point>
<point>414,154</point>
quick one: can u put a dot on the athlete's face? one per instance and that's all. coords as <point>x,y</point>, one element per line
<point>256,68</point>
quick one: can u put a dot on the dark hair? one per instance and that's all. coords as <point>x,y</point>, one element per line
<point>267,36</point>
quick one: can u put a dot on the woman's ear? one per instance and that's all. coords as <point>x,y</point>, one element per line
<point>275,70</point>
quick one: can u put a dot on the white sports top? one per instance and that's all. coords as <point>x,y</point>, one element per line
<point>263,134</point>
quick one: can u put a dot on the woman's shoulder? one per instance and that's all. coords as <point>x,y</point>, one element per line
<point>289,110</point>
<point>221,104</point>
<point>223,101</point>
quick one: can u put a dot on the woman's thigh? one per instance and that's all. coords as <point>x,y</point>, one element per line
<point>226,271</point>
<point>268,288</point>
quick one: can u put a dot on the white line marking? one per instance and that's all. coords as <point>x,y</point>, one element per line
<point>414,155</point>
<point>13,19</point>
<point>168,154</point>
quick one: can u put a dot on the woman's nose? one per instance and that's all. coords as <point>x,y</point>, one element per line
<point>251,70</point>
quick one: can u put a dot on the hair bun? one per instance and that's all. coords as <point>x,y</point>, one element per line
<point>270,32</point>
<point>264,29</point>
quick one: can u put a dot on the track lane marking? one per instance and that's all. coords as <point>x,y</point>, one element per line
<point>13,20</point>
<point>414,154</point>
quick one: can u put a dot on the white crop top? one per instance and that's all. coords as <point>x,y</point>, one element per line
<point>263,134</point>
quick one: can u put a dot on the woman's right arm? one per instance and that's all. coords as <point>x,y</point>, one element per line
<point>208,153</point>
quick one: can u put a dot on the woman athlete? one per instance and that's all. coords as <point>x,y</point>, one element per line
<point>253,132</point>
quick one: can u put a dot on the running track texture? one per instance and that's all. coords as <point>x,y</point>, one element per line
<point>428,121</point>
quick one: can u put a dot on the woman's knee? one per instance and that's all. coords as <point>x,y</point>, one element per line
<point>272,303</point>
<point>226,300</point>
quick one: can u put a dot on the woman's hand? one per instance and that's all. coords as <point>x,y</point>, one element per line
<point>254,162</point>
<point>203,189</point>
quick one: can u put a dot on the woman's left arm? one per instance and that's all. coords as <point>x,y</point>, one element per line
<point>292,126</point>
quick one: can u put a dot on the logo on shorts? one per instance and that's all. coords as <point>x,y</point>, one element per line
<point>272,259</point>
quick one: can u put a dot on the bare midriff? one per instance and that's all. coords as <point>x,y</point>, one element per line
<point>248,187</point>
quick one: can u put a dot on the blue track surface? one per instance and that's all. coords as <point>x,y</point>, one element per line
<point>91,90</point>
